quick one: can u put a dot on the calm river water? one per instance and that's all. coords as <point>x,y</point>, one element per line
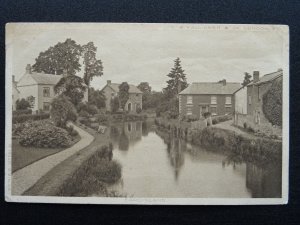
<point>154,167</point>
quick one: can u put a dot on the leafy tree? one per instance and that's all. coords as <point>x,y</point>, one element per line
<point>123,94</point>
<point>62,111</point>
<point>93,67</point>
<point>153,100</point>
<point>247,79</point>
<point>115,104</point>
<point>97,98</point>
<point>72,87</point>
<point>22,104</point>
<point>144,87</point>
<point>177,82</point>
<point>63,55</point>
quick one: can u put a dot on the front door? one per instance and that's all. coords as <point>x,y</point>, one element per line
<point>203,109</point>
<point>129,107</point>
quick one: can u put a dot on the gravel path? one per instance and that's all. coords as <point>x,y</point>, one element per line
<point>25,178</point>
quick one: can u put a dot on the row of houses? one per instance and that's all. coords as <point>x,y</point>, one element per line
<point>39,88</point>
<point>218,98</point>
<point>221,98</point>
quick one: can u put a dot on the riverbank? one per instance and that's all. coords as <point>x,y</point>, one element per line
<point>56,181</point>
<point>214,138</point>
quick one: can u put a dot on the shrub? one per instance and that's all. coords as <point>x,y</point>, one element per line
<point>44,135</point>
<point>92,109</point>
<point>22,104</point>
<point>84,113</point>
<point>219,119</point>
<point>22,112</point>
<point>28,117</point>
<point>245,125</point>
<point>190,118</point>
<point>138,110</point>
<point>72,131</point>
<point>62,111</point>
<point>93,175</point>
<point>102,118</point>
<point>206,114</point>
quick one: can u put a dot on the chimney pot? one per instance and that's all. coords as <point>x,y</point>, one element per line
<point>108,82</point>
<point>28,68</point>
<point>224,82</point>
<point>255,76</point>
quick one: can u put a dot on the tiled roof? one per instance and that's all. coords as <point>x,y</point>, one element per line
<point>43,78</point>
<point>132,88</point>
<point>267,78</point>
<point>211,88</point>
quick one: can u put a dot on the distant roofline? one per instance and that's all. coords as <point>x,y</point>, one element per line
<point>109,85</point>
<point>280,73</point>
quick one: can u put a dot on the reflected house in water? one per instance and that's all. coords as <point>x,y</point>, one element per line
<point>126,134</point>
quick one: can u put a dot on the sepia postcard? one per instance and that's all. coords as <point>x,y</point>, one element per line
<point>124,113</point>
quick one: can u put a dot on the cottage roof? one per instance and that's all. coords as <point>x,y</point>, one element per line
<point>132,88</point>
<point>211,88</point>
<point>43,78</point>
<point>267,78</point>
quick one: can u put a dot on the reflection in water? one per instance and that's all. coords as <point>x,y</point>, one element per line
<point>159,165</point>
<point>176,148</point>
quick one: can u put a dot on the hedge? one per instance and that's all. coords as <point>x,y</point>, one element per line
<point>27,117</point>
<point>22,112</point>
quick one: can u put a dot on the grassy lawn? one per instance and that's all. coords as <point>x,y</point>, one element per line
<point>23,156</point>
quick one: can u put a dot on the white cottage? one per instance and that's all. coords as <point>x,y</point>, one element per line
<point>40,88</point>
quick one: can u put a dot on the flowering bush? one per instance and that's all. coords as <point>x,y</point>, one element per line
<point>43,134</point>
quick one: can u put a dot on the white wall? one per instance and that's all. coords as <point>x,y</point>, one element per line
<point>241,101</point>
<point>30,90</point>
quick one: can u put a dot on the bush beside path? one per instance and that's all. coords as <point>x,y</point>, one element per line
<point>26,177</point>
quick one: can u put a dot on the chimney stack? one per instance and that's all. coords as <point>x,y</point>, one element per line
<point>28,68</point>
<point>13,79</point>
<point>224,82</point>
<point>255,76</point>
<point>108,82</point>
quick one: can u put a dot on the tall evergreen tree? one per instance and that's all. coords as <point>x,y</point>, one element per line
<point>177,82</point>
<point>93,67</point>
<point>247,79</point>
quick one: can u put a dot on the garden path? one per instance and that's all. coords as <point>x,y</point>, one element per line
<point>26,177</point>
<point>227,125</point>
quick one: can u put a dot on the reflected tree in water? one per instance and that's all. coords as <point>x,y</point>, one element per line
<point>176,149</point>
<point>123,141</point>
<point>145,130</point>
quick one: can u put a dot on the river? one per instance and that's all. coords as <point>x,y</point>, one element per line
<point>153,166</point>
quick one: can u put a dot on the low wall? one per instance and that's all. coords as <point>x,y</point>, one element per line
<point>264,126</point>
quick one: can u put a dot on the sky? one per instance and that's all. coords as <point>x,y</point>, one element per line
<point>146,52</point>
